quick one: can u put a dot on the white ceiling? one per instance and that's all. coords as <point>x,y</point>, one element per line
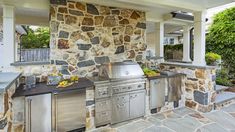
<point>37,11</point>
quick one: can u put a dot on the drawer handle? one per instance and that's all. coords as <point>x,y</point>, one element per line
<point>132,97</point>
<point>104,113</point>
<point>120,105</point>
<point>104,103</point>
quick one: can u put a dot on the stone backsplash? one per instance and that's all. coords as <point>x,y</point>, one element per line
<point>85,35</point>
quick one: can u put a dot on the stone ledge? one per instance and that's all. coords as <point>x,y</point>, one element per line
<point>189,65</point>
<point>30,63</point>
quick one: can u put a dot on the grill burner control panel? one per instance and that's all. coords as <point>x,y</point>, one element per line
<point>127,88</point>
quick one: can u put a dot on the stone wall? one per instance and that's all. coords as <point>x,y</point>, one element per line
<point>6,110</point>
<point>85,35</point>
<point>199,86</point>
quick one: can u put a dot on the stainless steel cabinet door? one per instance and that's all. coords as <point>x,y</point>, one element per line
<point>137,104</point>
<point>38,113</point>
<point>70,111</point>
<point>120,108</point>
<point>157,93</point>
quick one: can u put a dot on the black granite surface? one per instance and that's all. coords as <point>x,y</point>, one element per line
<point>43,88</point>
<point>165,76</point>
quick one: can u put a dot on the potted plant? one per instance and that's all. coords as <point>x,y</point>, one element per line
<point>213,59</point>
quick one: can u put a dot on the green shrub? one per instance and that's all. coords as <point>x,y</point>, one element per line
<point>222,77</point>
<point>212,58</point>
<point>221,38</point>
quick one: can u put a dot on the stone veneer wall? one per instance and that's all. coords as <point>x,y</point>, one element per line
<point>7,120</point>
<point>84,35</point>
<point>199,86</point>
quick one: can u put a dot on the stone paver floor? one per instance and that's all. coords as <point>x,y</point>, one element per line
<point>179,120</point>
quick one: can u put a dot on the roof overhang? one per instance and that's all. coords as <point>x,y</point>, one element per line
<point>36,12</point>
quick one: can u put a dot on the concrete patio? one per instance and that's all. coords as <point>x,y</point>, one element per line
<point>180,120</point>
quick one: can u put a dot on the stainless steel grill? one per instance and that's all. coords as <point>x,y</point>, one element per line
<point>119,92</point>
<point>121,70</point>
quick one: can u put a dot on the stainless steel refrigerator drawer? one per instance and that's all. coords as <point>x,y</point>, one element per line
<point>102,118</point>
<point>38,113</point>
<point>103,105</point>
<point>70,111</point>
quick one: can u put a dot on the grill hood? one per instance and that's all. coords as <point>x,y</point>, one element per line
<point>120,70</point>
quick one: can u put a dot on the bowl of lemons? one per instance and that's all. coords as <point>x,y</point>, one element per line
<point>150,73</point>
<point>68,82</point>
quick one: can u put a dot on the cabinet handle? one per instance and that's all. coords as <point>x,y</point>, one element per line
<point>56,106</point>
<point>29,114</point>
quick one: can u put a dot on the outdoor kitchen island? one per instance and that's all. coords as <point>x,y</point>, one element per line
<point>119,93</point>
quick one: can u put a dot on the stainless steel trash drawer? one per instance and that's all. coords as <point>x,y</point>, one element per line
<point>157,92</point>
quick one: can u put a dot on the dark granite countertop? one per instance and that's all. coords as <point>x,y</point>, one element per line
<point>165,76</point>
<point>43,88</point>
<point>188,65</point>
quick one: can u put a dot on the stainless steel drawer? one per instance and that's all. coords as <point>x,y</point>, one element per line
<point>102,118</point>
<point>102,92</point>
<point>103,105</point>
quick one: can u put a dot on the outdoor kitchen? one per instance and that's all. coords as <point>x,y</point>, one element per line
<point>99,75</point>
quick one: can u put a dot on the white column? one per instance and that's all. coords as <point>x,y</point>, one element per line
<point>159,47</point>
<point>186,43</point>
<point>199,38</point>
<point>7,49</point>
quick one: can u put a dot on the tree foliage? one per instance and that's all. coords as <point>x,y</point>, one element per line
<point>38,38</point>
<point>221,38</point>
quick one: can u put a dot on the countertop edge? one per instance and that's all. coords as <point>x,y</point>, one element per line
<point>188,65</point>
<point>11,82</point>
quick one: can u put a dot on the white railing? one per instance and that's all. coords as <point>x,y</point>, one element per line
<point>34,55</point>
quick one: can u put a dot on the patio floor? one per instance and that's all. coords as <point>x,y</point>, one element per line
<point>179,120</point>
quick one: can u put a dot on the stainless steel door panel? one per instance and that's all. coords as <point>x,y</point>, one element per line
<point>120,108</point>
<point>137,104</point>
<point>102,105</point>
<point>38,113</point>
<point>157,93</point>
<point>102,118</point>
<point>70,111</point>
